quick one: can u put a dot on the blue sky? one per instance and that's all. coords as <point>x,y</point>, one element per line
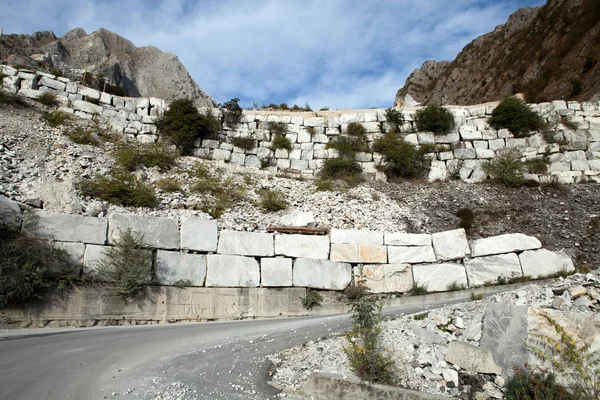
<point>336,53</point>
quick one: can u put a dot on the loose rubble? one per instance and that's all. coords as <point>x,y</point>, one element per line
<point>440,351</point>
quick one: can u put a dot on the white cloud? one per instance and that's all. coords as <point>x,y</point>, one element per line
<point>341,53</point>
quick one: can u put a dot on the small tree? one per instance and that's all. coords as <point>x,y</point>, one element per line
<point>394,118</point>
<point>516,116</point>
<point>233,112</point>
<point>436,119</point>
<point>400,158</point>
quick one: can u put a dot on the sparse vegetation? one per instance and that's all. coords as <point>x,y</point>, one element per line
<point>48,99</point>
<point>81,135</point>
<point>418,289</point>
<point>272,200</point>
<point>30,266</point>
<point>340,168</point>
<point>400,158</point>
<point>57,118</point>
<point>528,384</point>
<point>420,317</point>
<point>244,143</point>
<point>436,119</point>
<point>183,125</point>
<point>455,286</point>
<point>132,156</point>
<point>344,167</point>
<point>313,299</point>
<point>507,170</point>
<point>323,185</point>
<point>354,292</point>
<point>169,185</point>
<point>221,193</point>
<point>516,116</point>
<point>394,118</point>
<point>119,187</point>
<point>127,266</point>
<point>281,142</point>
<point>537,166</point>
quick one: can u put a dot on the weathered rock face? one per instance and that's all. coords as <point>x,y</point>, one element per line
<point>141,72</point>
<point>545,52</point>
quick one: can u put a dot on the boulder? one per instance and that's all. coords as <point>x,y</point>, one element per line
<point>10,213</point>
<point>542,262</point>
<point>158,232</point>
<point>276,272</point>
<point>508,243</point>
<point>356,236</point>
<point>471,358</point>
<point>297,219</point>
<point>66,227</point>
<point>302,246</point>
<point>407,239</point>
<point>231,271</point>
<point>199,234</point>
<point>51,83</point>
<point>490,268</point>
<point>450,245</point>
<point>246,243</point>
<point>410,254</point>
<point>88,92</point>
<point>86,107</point>
<point>172,266</point>
<point>386,278</point>
<point>321,274</point>
<point>437,277</point>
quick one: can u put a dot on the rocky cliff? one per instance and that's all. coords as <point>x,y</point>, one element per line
<point>140,72</point>
<point>548,53</point>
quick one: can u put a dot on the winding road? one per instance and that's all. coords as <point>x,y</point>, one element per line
<point>210,360</point>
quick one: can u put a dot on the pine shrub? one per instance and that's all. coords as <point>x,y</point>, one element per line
<point>516,116</point>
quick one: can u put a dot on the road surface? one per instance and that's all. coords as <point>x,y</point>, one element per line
<point>211,360</point>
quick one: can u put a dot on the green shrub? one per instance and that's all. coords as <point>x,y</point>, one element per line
<point>169,185</point>
<point>536,166</point>
<point>244,143</point>
<point>516,116</point>
<point>277,128</point>
<point>527,384</point>
<point>353,292</point>
<point>221,193</point>
<point>455,286</point>
<point>341,168</point>
<point>30,266</point>
<point>366,357</point>
<point>132,156</point>
<point>48,99</point>
<point>436,119</point>
<point>127,266</point>
<point>418,289</point>
<point>466,218</point>
<point>272,200</point>
<point>394,118</point>
<point>81,135</point>
<point>183,125</point>
<point>233,112</point>
<point>420,317</point>
<point>323,185</point>
<point>506,170</point>
<point>281,142</point>
<point>120,187</point>
<point>57,118</point>
<point>312,299</point>
<point>400,158</point>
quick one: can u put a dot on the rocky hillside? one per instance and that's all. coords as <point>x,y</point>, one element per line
<point>140,72</point>
<point>548,53</point>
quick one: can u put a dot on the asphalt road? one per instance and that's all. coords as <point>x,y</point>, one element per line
<point>211,360</point>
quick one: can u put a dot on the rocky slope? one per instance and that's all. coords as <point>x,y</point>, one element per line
<point>548,53</point>
<point>141,72</point>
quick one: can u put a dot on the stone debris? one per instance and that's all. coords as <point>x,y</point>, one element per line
<point>442,351</point>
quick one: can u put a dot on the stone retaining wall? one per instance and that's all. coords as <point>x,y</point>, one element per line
<point>195,250</point>
<point>575,157</point>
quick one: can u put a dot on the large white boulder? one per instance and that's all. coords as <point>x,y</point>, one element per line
<point>86,107</point>
<point>199,234</point>
<point>321,274</point>
<point>66,227</point>
<point>246,243</point>
<point>385,278</point>
<point>410,254</point>
<point>302,246</point>
<point>508,243</point>
<point>450,245</point>
<point>437,277</point>
<point>157,232</point>
<point>490,268</point>
<point>276,272</point>
<point>172,266</point>
<point>542,262</point>
<point>231,271</point>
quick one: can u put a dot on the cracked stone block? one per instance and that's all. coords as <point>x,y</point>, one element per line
<point>450,245</point>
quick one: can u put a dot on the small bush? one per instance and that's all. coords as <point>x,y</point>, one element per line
<point>120,187</point>
<point>127,266</point>
<point>475,297</point>
<point>57,118</point>
<point>466,218</point>
<point>401,159</point>
<point>420,317</point>
<point>183,283</point>
<point>281,142</point>
<point>353,292</point>
<point>394,118</point>
<point>526,384</point>
<point>455,286</point>
<point>221,193</point>
<point>436,119</point>
<point>132,156</point>
<point>244,143</point>
<point>169,185</point>
<point>183,125</point>
<point>506,170</point>
<point>312,299</point>
<point>340,168</point>
<point>568,122</point>
<point>418,289</point>
<point>48,99</point>
<point>30,266</point>
<point>323,185</point>
<point>537,166</point>
<point>272,200</point>
<point>277,128</point>
<point>516,116</point>
<point>82,135</point>
<point>233,112</point>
